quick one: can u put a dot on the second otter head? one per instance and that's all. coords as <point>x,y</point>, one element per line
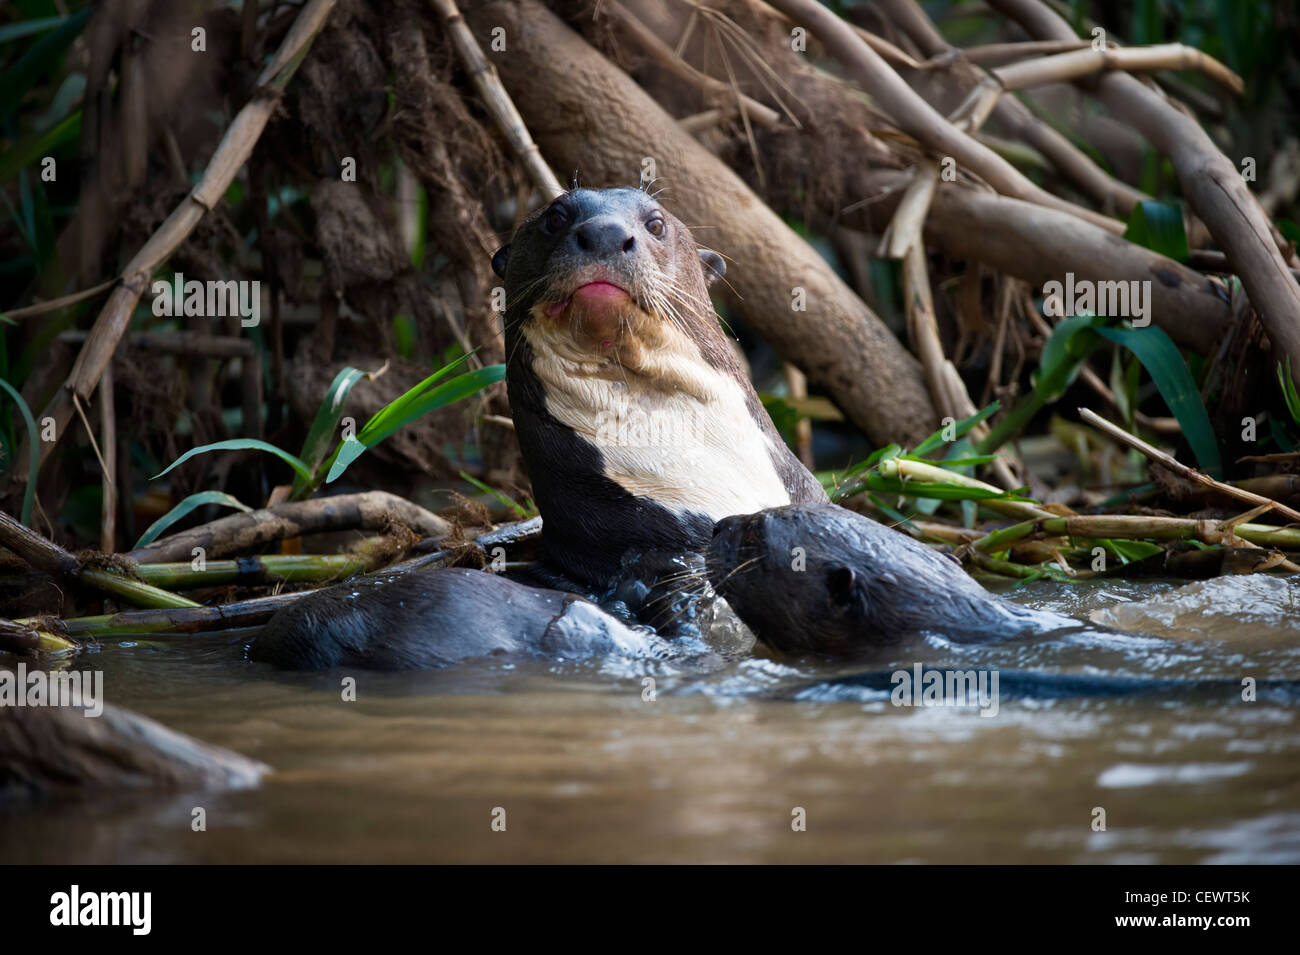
<point>790,576</point>
<point>822,579</point>
<point>608,267</point>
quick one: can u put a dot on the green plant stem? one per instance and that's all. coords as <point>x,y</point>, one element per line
<point>903,469</point>
<point>133,591</point>
<point>1127,527</point>
<point>1004,568</point>
<point>196,619</point>
<point>294,568</point>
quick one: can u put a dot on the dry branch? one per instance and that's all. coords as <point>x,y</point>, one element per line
<point>1014,115</point>
<point>372,511</point>
<point>588,114</point>
<point>1169,461</point>
<point>504,113</point>
<point>663,55</point>
<point>55,751</point>
<point>903,240</point>
<point>917,117</point>
<point>1210,181</point>
<point>231,154</point>
<point>1065,67</point>
<point>1039,245</point>
<point>44,555</point>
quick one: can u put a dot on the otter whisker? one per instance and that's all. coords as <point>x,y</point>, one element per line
<point>735,570</point>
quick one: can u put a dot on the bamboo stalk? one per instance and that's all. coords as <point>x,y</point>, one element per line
<point>29,638</point>
<point>1004,568</point>
<point>134,591</point>
<point>244,613</point>
<point>295,568</point>
<point>52,559</point>
<point>1141,527</point>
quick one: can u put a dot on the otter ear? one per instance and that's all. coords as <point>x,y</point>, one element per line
<point>840,581</point>
<point>500,259</point>
<point>714,266</point>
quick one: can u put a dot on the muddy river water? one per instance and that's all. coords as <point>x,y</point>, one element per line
<point>580,767</point>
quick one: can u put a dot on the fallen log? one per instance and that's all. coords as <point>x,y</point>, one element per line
<point>52,752</point>
<point>238,533</point>
<point>588,115</point>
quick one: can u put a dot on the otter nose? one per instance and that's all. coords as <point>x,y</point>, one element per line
<point>604,236</point>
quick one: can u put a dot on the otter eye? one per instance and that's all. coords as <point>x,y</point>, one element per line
<point>655,226</point>
<point>556,218</point>
<point>840,584</point>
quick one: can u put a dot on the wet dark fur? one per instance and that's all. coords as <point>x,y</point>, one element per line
<point>590,520</point>
<point>426,619</point>
<point>861,584</point>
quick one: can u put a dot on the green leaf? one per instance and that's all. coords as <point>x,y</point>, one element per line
<point>320,437</point>
<point>1290,231</point>
<point>1279,435</point>
<point>1158,226</point>
<point>963,426</point>
<point>1063,355</point>
<point>407,408</point>
<point>404,335</point>
<point>27,150</point>
<point>977,460</point>
<point>241,444</point>
<point>1164,363</point>
<point>41,58</point>
<point>935,489</point>
<point>398,407</point>
<point>184,507</point>
<point>1130,550</point>
<point>33,465</point>
<point>1146,22</point>
<point>1285,379</point>
<point>841,479</point>
<point>1071,342</point>
<point>14,31</point>
<point>344,455</point>
<point>519,509</point>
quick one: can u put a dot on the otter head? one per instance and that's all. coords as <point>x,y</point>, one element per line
<point>794,585</point>
<point>601,274</point>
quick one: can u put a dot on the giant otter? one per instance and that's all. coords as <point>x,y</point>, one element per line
<point>638,427</point>
<point>641,432</point>
<point>430,618</point>
<point>824,579</point>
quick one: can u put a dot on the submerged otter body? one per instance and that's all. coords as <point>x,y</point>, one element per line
<point>824,579</point>
<point>638,427</point>
<point>432,618</point>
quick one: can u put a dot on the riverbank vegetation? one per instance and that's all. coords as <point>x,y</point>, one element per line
<point>1018,277</point>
